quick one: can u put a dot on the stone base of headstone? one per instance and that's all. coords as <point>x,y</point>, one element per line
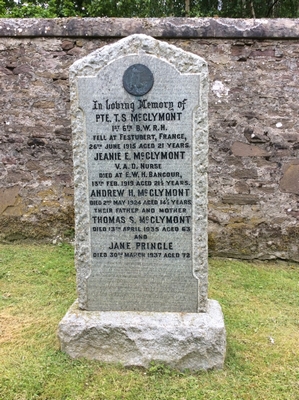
<point>194,341</point>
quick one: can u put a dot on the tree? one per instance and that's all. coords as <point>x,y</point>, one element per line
<point>149,8</point>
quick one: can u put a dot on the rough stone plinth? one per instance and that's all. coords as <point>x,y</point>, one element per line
<point>192,341</point>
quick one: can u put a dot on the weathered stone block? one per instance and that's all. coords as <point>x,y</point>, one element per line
<point>247,150</point>
<point>8,198</point>
<point>290,180</point>
<point>240,199</point>
<point>192,341</point>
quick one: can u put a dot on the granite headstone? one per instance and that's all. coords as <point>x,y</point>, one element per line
<point>140,140</point>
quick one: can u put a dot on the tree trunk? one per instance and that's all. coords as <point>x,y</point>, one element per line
<point>252,10</point>
<point>187,7</point>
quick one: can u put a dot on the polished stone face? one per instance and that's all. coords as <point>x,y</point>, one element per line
<point>140,156</point>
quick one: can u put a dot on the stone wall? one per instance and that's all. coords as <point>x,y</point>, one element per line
<point>253,113</point>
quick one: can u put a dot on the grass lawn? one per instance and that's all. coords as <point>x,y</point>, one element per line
<point>261,308</point>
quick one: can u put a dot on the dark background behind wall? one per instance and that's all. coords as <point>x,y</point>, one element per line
<point>253,115</point>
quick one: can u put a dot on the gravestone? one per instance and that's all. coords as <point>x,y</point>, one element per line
<point>140,142</point>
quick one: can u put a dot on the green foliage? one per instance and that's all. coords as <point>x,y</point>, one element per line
<point>260,8</point>
<point>131,9</point>
<point>36,9</point>
<point>149,8</point>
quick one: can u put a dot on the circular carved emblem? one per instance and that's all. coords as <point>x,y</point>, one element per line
<point>138,79</point>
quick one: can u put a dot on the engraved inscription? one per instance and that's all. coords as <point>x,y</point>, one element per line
<point>146,190</point>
